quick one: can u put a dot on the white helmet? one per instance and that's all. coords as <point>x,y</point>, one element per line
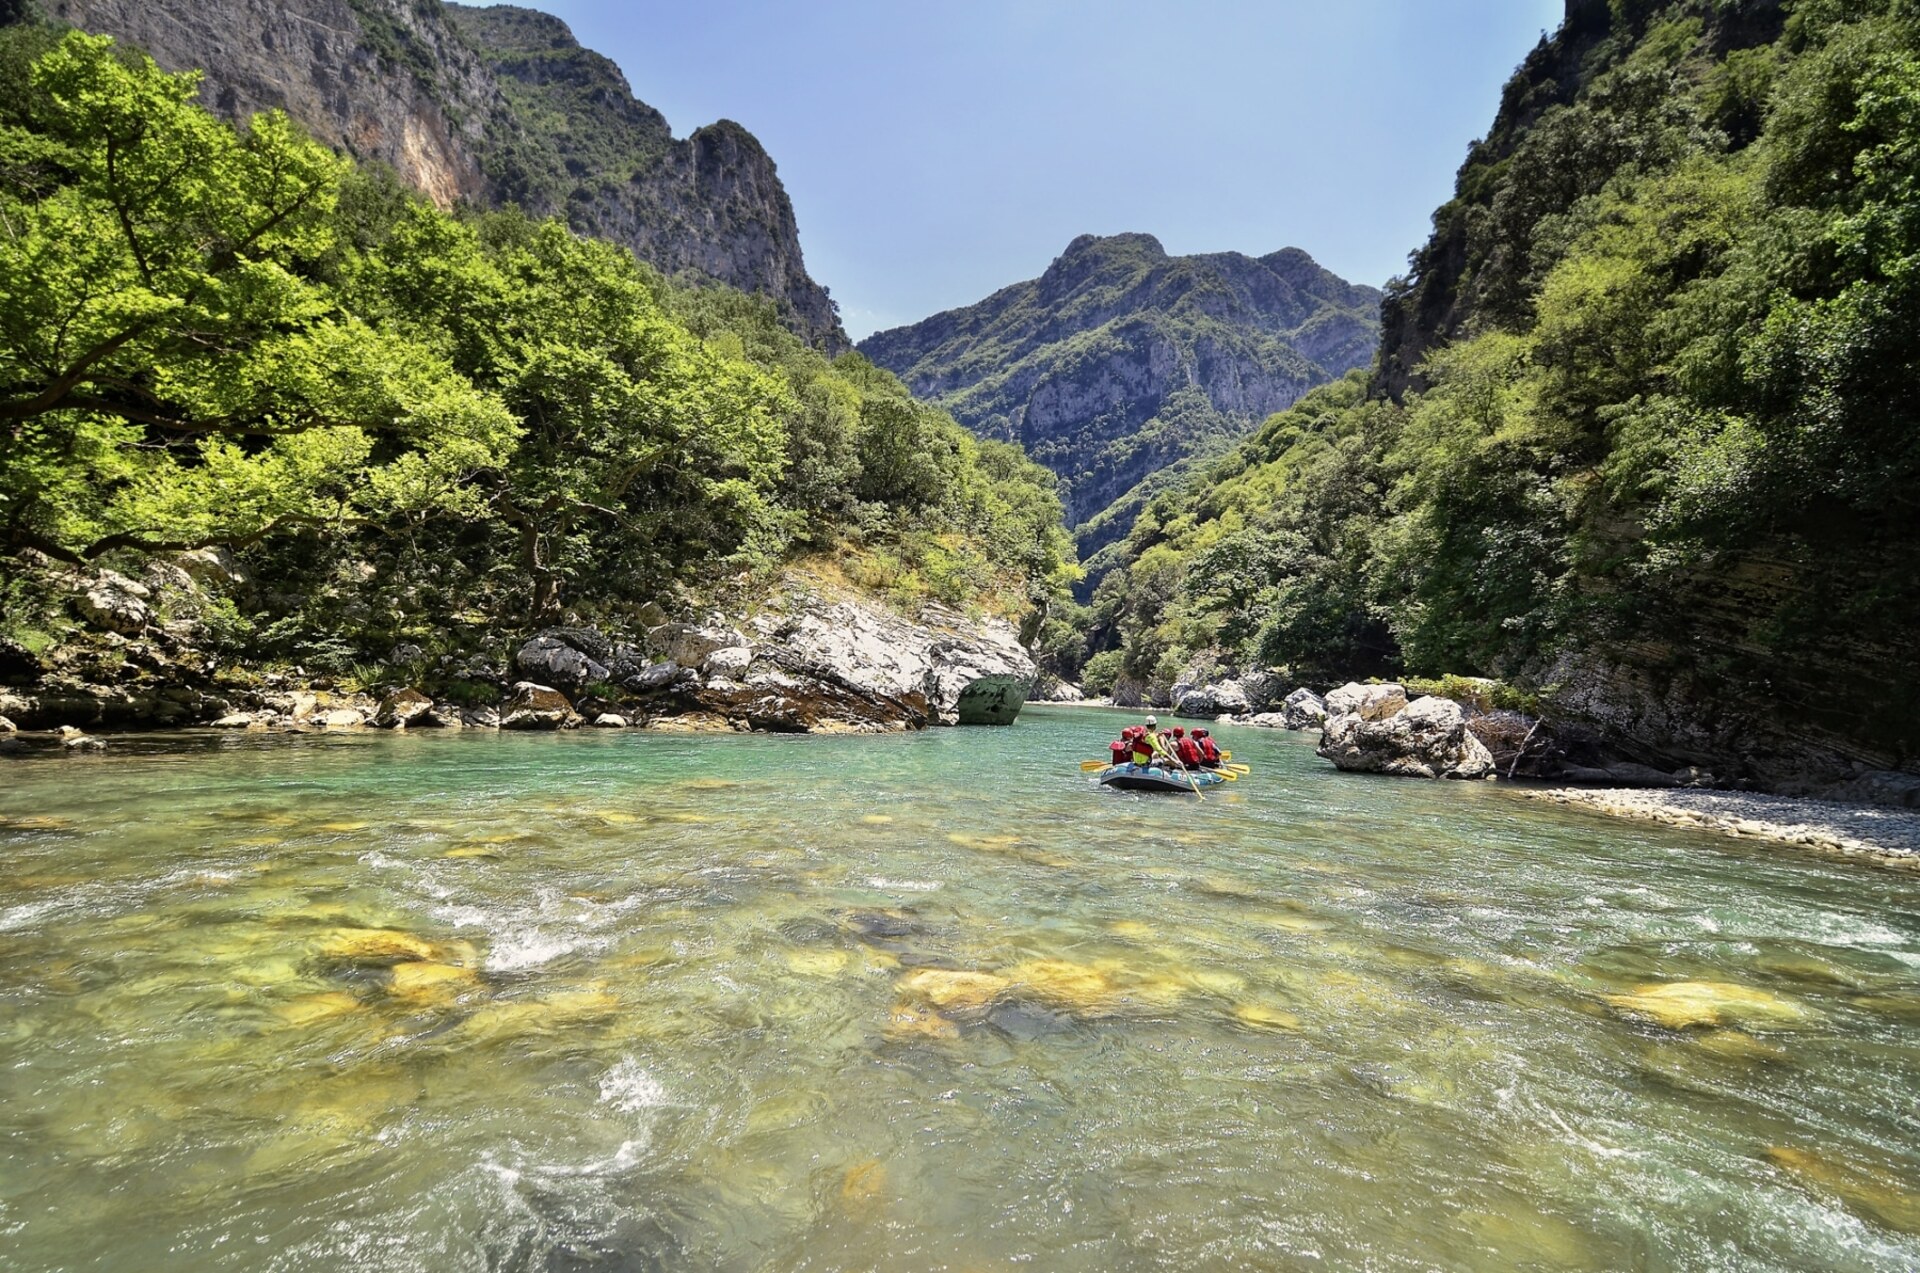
<point>1152,721</point>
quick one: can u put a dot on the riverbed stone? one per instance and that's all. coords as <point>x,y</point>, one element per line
<point>954,988</point>
<point>236,720</point>
<point>535,707</point>
<point>1426,739</point>
<point>428,982</point>
<point>1682,1005</point>
<point>610,720</point>
<point>1876,1194</point>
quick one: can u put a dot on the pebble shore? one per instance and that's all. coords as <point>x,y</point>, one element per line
<point>1868,830</point>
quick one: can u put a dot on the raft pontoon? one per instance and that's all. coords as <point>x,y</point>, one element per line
<point>1154,778</point>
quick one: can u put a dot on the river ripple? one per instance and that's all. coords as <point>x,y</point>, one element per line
<point>626,1001</point>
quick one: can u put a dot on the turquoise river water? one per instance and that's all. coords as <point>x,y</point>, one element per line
<point>631,1002</point>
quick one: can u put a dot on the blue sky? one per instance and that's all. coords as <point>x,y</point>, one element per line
<point>936,152</point>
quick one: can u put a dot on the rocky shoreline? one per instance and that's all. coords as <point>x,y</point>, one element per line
<point>807,658</point>
<point>1875,831</point>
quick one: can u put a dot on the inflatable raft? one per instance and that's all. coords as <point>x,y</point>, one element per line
<point>1155,778</point>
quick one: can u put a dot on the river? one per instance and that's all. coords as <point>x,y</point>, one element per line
<point>621,1001</point>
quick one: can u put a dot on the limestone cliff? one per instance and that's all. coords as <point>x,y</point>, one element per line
<point>492,105</point>
<point>1121,364</point>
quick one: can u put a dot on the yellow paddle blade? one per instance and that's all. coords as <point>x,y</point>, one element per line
<point>1088,766</point>
<point>1239,769</point>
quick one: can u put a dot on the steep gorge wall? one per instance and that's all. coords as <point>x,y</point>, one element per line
<point>492,105</point>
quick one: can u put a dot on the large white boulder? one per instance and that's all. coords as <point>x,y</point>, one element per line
<point>1368,702</point>
<point>1427,738</point>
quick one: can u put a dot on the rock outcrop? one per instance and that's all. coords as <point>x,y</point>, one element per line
<point>535,707</point>
<point>1303,709</point>
<point>1120,362</point>
<point>1382,733</point>
<point>1368,702</point>
<point>492,105</point>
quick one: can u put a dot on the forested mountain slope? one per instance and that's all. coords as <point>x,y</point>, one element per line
<point>1643,431</point>
<point>491,105</point>
<point>1120,364</point>
<point>407,427</point>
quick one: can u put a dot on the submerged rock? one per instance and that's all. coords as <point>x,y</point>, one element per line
<point>1425,739</point>
<point>907,1021</point>
<point>1878,1195</point>
<point>954,989</point>
<point>1680,1005</point>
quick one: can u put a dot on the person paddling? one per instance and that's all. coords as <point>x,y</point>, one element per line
<point>1210,757</point>
<point>1143,739</point>
<point>1187,749</point>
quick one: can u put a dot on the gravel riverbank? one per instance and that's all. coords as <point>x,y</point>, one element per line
<point>1871,830</point>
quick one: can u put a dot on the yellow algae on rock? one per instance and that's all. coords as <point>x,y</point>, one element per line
<point>1066,985</point>
<point>1131,928</point>
<point>343,828</point>
<point>1214,981</point>
<point>954,988</point>
<point>376,945</point>
<point>876,819</point>
<point>1679,1005</point>
<point>1294,923</point>
<point>908,1021</point>
<point>1265,1016</point>
<point>1732,1045</point>
<point>1878,1195</point>
<point>472,851</point>
<point>863,1184</point>
<point>818,963</point>
<point>311,1009</point>
<point>429,983</point>
<point>618,817</point>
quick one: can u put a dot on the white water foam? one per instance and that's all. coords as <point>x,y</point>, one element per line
<point>905,886</point>
<point>629,1088</point>
<point>16,917</point>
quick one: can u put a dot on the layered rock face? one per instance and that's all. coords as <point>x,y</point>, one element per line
<point>1121,364</point>
<point>492,105</point>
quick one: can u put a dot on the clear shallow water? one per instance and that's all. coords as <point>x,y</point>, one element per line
<point>624,1001</point>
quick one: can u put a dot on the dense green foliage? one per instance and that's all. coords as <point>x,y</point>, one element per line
<point>1667,334</point>
<point>407,418</point>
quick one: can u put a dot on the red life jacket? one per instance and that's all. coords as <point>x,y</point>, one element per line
<point>1142,749</point>
<point>1120,752</point>
<point>1209,753</point>
<point>1188,752</point>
